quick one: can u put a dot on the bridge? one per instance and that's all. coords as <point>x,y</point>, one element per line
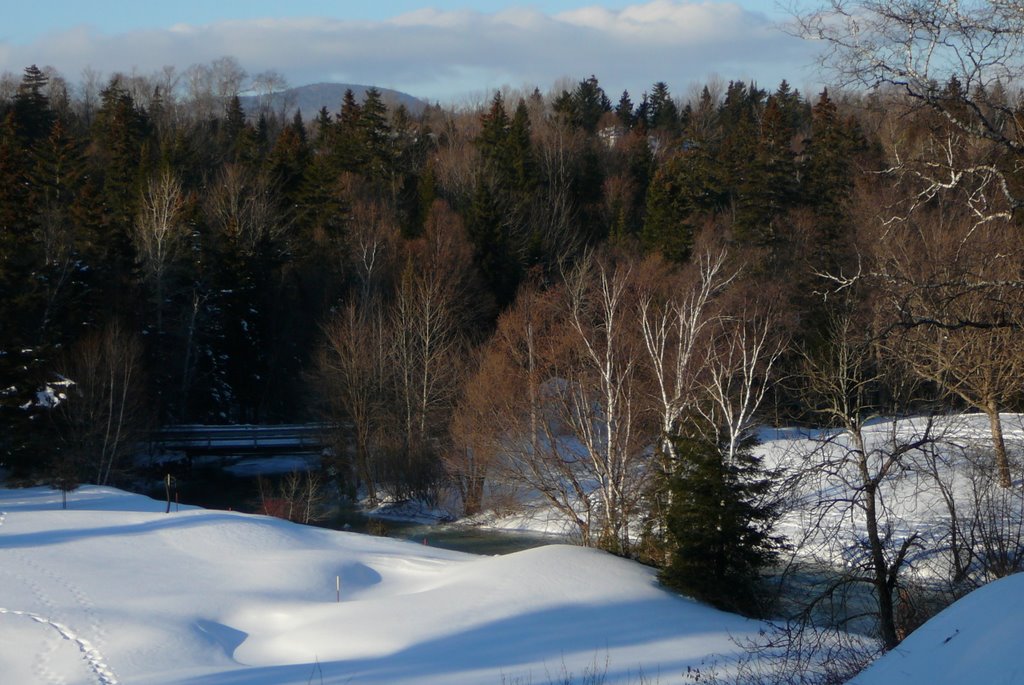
<point>196,440</point>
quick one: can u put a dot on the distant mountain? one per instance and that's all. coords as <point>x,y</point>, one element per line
<point>309,99</point>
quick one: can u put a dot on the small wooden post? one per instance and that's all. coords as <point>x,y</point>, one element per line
<point>337,587</point>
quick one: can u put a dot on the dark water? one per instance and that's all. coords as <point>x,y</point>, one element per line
<point>444,535</point>
<point>215,488</point>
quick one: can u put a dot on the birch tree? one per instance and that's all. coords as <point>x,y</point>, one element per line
<point>159,233</point>
<point>105,412</point>
<point>675,326</point>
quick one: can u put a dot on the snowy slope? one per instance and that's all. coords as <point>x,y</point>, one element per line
<point>975,640</point>
<point>115,591</point>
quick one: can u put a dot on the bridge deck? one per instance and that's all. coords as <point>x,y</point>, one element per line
<point>241,439</point>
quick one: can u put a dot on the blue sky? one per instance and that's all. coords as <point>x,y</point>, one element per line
<point>441,50</point>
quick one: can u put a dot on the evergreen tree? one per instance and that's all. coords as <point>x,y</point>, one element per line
<point>32,113</point>
<point>234,120</point>
<point>374,134</point>
<point>18,255</point>
<point>524,174</point>
<point>287,162</point>
<point>488,227</point>
<point>493,139</point>
<point>828,169</point>
<point>54,185</point>
<point>683,193</point>
<point>120,155</point>
<point>719,528</point>
<point>642,118</point>
<point>624,111</point>
<point>585,106</point>
<point>664,114</point>
<point>766,189</point>
<point>795,111</point>
<point>237,133</point>
<point>324,127</point>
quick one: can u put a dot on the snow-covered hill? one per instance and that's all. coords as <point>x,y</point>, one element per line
<point>113,590</point>
<point>975,640</point>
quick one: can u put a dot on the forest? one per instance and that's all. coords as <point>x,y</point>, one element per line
<point>596,297</point>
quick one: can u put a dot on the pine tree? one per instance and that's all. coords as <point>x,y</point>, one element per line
<point>719,527</point>
<point>493,139</point>
<point>828,169</point>
<point>287,161</point>
<point>488,227</point>
<point>524,174</point>
<point>55,182</point>
<point>234,119</point>
<point>19,252</point>
<point>237,136</point>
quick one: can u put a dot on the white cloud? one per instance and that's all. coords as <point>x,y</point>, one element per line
<point>433,53</point>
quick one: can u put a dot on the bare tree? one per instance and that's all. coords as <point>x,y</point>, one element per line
<point>736,374</point>
<point>242,207</point>
<point>228,78</point>
<point>524,423</point>
<point>351,371</point>
<point>475,450</point>
<point>372,241</point>
<point>856,466</point>
<point>199,87</point>
<point>298,497</point>
<point>955,301</point>
<point>955,59</point>
<point>572,422</point>
<point>559,148</point>
<point>88,102</point>
<point>984,521</point>
<point>433,304</point>
<point>602,403</point>
<point>159,233</point>
<point>105,413</point>
<point>269,85</point>
<point>675,317</point>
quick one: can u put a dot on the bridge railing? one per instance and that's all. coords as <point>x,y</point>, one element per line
<point>196,437</point>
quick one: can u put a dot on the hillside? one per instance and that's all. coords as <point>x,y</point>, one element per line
<point>310,98</point>
<point>113,590</point>
<point>975,640</point>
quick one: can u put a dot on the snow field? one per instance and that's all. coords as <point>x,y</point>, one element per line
<point>113,590</point>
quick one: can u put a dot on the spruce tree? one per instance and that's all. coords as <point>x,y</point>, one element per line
<point>624,111</point>
<point>719,526</point>
<point>768,186</point>
<point>32,111</point>
<point>374,134</point>
<point>683,193</point>
<point>664,115</point>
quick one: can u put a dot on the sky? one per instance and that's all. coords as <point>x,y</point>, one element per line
<point>441,50</point>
